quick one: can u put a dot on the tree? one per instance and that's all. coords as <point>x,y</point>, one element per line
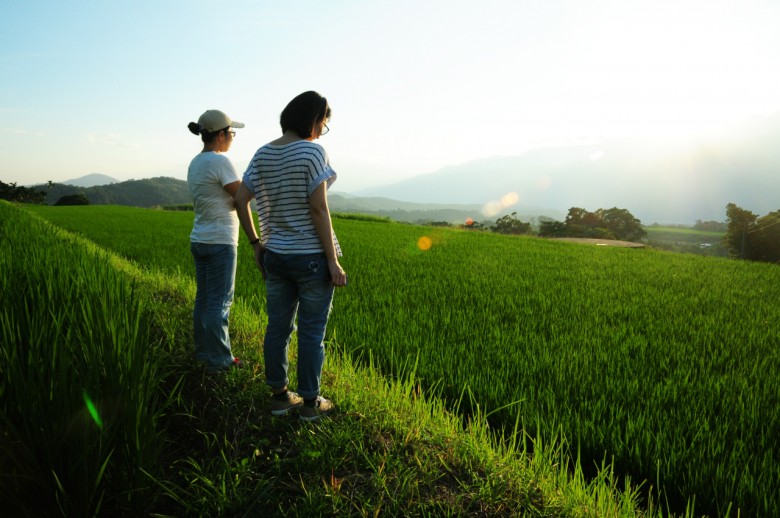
<point>473,225</point>
<point>580,217</point>
<point>710,226</point>
<point>11,192</point>
<point>622,224</point>
<point>753,238</point>
<point>552,228</point>
<point>509,224</point>
<point>583,223</point>
<point>73,199</point>
<point>611,223</point>
<point>764,239</point>
<point>739,222</point>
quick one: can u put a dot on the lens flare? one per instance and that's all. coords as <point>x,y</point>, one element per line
<point>543,183</point>
<point>92,410</point>
<point>491,208</point>
<point>424,243</point>
<point>494,207</point>
<point>509,199</point>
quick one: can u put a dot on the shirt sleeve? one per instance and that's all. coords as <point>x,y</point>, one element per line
<point>247,179</point>
<point>320,170</point>
<point>227,173</point>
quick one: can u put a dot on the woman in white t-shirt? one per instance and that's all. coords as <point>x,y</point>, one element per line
<point>213,182</point>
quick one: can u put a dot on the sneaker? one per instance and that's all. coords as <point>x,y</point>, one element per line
<point>313,411</point>
<point>281,407</point>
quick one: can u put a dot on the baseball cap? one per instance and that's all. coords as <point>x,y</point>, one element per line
<point>215,120</point>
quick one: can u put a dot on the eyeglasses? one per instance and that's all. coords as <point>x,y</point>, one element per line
<point>325,129</point>
<point>232,133</point>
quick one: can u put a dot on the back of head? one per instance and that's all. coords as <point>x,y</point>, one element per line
<point>303,111</point>
<point>211,123</point>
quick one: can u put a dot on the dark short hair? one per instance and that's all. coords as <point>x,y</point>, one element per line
<point>205,136</point>
<point>301,113</point>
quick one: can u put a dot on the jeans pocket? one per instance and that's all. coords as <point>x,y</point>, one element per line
<point>316,271</point>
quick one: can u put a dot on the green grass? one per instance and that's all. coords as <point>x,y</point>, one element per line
<point>642,356</point>
<point>79,424</point>
<point>663,362</point>
<point>211,447</point>
<point>687,240</point>
<point>684,231</point>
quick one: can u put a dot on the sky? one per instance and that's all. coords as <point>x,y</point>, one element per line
<point>108,87</point>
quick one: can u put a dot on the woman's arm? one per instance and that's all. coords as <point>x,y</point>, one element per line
<point>232,188</point>
<point>320,215</point>
<point>243,197</point>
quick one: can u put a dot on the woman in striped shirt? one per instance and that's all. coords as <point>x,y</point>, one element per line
<point>296,251</point>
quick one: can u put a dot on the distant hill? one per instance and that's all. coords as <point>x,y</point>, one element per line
<point>91,180</point>
<point>160,191</point>
<point>148,192</point>
<point>656,183</point>
<point>413,212</point>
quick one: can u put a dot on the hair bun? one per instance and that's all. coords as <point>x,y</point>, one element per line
<point>195,128</point>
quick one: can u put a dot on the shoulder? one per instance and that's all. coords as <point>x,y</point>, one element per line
<point>314,149</point>
<point>223,164</point>
<point>221,159</point>
<point>306,145</point>
<point>311,145</point>
<point>211,158</point>
<point>220,166</point>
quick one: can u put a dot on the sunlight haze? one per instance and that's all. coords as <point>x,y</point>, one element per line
<point>109,87</point>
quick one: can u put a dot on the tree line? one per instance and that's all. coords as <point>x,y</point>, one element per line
<point>149,192</point>
<point>12,192</point>
<point>21,194</point>
<point>614,223</point>
<point>751,237</point>
<point>747,236</point>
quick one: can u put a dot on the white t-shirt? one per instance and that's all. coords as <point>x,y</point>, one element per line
<point>216,222</point>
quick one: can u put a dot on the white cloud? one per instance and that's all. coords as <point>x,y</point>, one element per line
<point>17,131</point>
<point>111,139</point>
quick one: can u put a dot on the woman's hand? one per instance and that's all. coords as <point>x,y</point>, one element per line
<point>260,258</point>
<point>337,274</point>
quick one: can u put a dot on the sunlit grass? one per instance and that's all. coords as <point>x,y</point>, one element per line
<point>663,362</point>
<point>688,231</point>
<point>79,378</point>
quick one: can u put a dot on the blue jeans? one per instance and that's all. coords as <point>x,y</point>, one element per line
<point>296,284</point>
<point>215,274</point>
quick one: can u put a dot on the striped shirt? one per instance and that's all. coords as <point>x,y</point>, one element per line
<point>282,179</point>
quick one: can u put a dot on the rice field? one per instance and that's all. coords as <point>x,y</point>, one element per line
<point>666,364</point>
<point>78,426</point>
<point>688,240</point>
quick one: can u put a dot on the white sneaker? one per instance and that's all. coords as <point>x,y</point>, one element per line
<point>282,407</point>
<point>313,413</point>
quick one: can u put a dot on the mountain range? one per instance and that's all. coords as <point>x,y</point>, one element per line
<point>664,183</point>
<point>149,192</point>
<point>166,191</point>
<point>421,212</point>
<point>657,183</point>
<point>91,180</point>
